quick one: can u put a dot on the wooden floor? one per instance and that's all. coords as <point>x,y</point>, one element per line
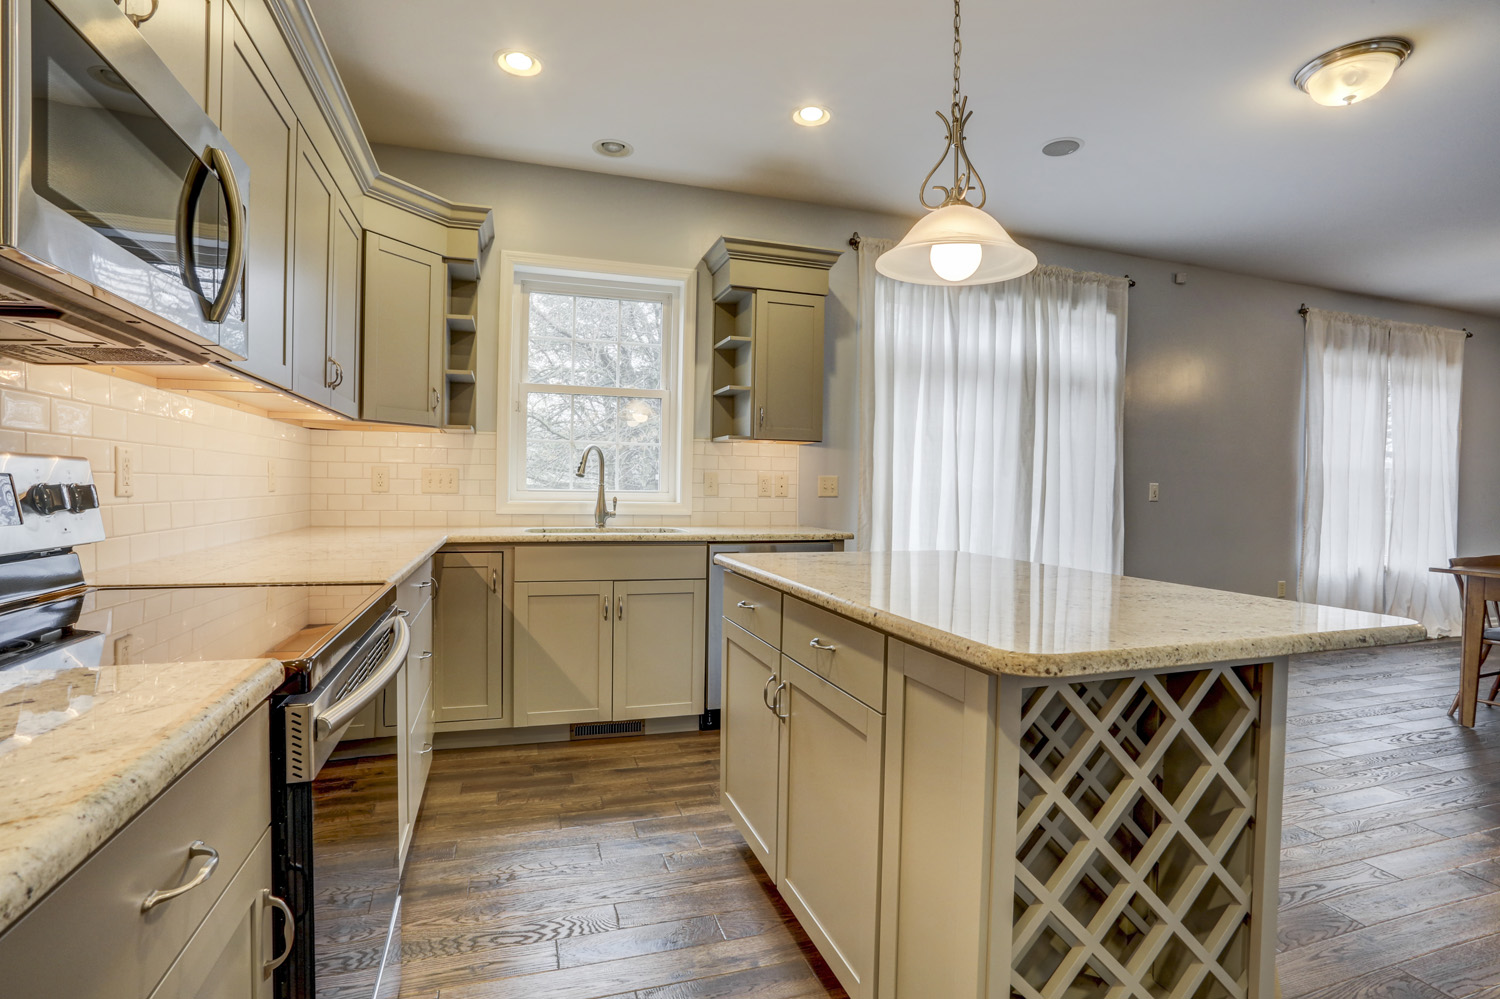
<point>607,869</point>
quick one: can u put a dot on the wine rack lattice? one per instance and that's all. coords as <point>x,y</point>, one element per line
<point>1134,843</point>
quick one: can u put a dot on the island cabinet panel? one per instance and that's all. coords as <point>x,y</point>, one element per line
<point>754,607</point>
<point>563,646</point>
<point>750,741</point>
<point>846,654</point>
<point>938,825</point>
<point>829,812</point>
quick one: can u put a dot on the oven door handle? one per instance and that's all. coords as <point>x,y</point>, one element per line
<point>339,713</point>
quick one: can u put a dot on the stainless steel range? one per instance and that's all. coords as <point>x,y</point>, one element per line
<point>62,640</point>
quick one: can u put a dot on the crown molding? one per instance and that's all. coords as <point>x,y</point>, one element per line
<point>300,29</point>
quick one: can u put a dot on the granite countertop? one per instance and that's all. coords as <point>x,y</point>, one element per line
<point>99,750</point>
<point>1028,619</point>
<point>389,554</point>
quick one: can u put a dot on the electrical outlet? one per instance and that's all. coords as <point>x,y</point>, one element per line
<point>1153,493</point>
<point>124,470</point>
<point>711,483</point>
<point>271,476</point>
<point>127,649</point>
<point>1281,587</point>
<point>440,479</point>
<point>763,485</point>
<point>380,478</point>
<point>828,485</point>
<point>783,484</point>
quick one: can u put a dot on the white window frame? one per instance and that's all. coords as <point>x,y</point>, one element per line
<point>678,288</point>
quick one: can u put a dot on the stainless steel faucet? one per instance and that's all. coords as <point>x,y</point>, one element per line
<point>602,513</point>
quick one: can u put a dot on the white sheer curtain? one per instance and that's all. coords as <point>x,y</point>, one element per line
<point>1381,476</point>
<point>992,416</point>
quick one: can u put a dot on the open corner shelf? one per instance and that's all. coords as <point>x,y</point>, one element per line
<point>732,342</point>
<point>728,390</point>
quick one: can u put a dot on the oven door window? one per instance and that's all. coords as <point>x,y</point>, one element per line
<point>99,153</point>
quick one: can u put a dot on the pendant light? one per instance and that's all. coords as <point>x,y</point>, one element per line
<point>956,243</point>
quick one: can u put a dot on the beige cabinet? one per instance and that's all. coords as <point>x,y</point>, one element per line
<point>185,34</point>
<point>659,654</point>
<point>468,677</point>
<point>414,738</point>
<point>404,332</point>
<point>564,642</point>
<point>828,862</point>
<point>258,121</point>
<point>750,741</point>
<point>787,392</point>
<point>324,292</point>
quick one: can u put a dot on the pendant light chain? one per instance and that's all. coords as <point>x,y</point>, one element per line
<point>958,48</point>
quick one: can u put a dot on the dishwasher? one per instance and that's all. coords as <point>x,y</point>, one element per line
<point>713,690</point>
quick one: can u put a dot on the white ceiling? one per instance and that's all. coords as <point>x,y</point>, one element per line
<point>1197,146</point>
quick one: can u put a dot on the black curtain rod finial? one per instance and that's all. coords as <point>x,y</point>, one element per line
<point>854,240</point>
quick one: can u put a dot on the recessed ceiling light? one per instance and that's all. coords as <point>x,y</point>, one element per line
<point>1352,73</point>
<point>811,115</point>
<point>518,63</point>
<point>1062,147</point>
<point>613,147</point>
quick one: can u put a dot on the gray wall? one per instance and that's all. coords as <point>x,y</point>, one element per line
<point>1213,376</point>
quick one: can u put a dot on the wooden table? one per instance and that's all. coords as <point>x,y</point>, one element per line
<point>1481,584</point>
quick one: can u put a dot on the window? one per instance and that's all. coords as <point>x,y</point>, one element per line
<point>598,359</point>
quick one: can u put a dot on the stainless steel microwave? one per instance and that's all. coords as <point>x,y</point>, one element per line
<point>125,209</point>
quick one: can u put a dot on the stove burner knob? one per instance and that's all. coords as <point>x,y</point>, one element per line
<point>81,498</point>
<point>46,498</point>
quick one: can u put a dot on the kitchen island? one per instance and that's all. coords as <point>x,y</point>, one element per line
<point>974,777</point>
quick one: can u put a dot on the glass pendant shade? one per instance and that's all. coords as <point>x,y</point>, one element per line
<point>929,245</point>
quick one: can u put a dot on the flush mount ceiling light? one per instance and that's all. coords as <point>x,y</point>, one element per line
<point>518,63</point>
<point>1352,73</point>
<point>811,115</point>
<point>613,147</point>
<point>957,243</point>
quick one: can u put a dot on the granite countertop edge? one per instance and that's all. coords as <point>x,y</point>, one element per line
<point>56,846</point>
<point>1002,662</point>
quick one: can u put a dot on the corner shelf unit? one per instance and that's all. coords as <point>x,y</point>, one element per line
<point>462,346</point>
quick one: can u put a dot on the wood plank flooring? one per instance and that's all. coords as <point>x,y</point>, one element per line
<point>607,869</point>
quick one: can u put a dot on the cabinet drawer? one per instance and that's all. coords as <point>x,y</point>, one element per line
<point>416,589</point>
<point>754,607</point>
<point>223,800</point>
<point>598,560</point>
<point>846,654</point>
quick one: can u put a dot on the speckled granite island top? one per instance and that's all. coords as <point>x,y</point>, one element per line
<point>388,554</point>
<point>68,788</point>
<point>1024,618</point>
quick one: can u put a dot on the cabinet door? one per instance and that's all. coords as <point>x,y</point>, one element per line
<point>313,199</point>
<point>226,957</point>
<point>343,307</point>
<point>185,34</point>
<point>828,870</point>
<point>750,741</point>
<point>405,305</point>
<point>259,122</point>
<point>788,351</point>
<point>467,665</point>
<point>563,636</point>
<point>659,653</point>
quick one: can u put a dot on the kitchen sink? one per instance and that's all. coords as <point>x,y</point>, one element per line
<point>603,530</point>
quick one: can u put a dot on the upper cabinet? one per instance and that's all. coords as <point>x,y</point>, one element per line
<point>259,122</point>
<point>767,339</point>
<point>185,33</point>
<point>405,288</point>
<point>323,296</point>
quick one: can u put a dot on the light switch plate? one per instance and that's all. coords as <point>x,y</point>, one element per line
<point>828,485</point>
<point>124,470</point>
<point>1281,588</point>
<point>380,478</point>
<point>1153,493</point>
<point>783,484</point>
<point>271,476</point>
<point>763,485</point>
<point>440,479</point>
<point>711,483</point>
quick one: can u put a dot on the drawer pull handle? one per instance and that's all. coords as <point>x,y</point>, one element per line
<point>198,849</point>
<point>817,643</point>
<point>424,584</point>
<point>765,692</point>
<point>746,604</point>
<point>267,898</point>
<point>425,655</point>
<point>426,748</point>
<point>779,688</point>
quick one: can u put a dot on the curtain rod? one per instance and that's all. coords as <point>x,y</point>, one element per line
<point>1468,335</point>
<point>855,240</point>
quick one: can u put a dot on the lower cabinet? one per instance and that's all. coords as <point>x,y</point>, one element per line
<point>468,679</point>
<point>750,741</point>
<point>590,650</point>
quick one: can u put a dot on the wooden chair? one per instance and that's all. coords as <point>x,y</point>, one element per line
<point>1490,636</point>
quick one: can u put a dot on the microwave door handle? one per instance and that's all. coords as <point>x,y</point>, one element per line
<point>339,713</point>
<point>186,256</point>
<point>234,267</point>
